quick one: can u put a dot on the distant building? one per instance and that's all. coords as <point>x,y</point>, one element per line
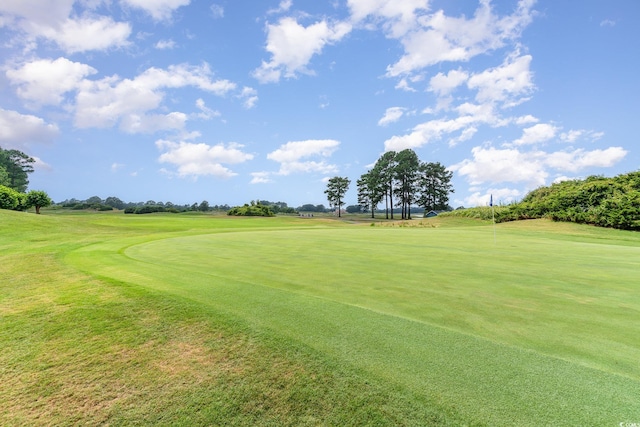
<point>431,214</point>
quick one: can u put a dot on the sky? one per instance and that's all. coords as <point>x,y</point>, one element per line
<point>230,101</point>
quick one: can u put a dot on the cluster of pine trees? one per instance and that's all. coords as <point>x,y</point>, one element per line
<point>401,179</point>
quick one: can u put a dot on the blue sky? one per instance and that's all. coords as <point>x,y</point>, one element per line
<point>231,101</point>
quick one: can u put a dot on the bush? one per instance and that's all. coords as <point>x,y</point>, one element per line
<point>251,210</point>
<point>10,198</point>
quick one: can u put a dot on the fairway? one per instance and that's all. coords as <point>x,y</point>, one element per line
<point>535,326</point>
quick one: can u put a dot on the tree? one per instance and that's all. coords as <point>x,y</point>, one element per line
<point>384,171</point>
<point>336,189</point>
<point>4,176</point>
<point>37,199</point>
<point>17,166</point>
<point>203,206</point>
<point>9,198</point>
<point>405,173</point>
<point>435,186</point>
<point>370,191</point>
<point>114,202</point>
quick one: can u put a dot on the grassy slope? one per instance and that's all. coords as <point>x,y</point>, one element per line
<point>78,349</point>
<point>536,329</point>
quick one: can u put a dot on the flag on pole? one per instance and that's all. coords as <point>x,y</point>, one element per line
<point>491,200</point>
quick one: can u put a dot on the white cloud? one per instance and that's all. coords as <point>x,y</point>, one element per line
<point>105,102</point>
<point>470,115</point>
<point>205,113</point>
<point>500,196</point>
<point>579,159</point>
<point>292,46</point>
<point>441,38</point>
<point>44,82</point>
<point>217,11</point>
<point>526,120</point>
<point>86,33</point>
<point>284,6</point>
<point>261,178</point>
<point>393,114</point>
<point>291,155</point>
<point>32,11</point>
<point>18,131</point>
<point>165,44</point>
<point>249,96</point>
<point>508,83</point>
<point>158,9</point>
<point>200,159</point>
<point>150,123</point>
<point>396,17</point>
<point>575,134</point>
<point>443,84</point>
<point>608,23</point>
<point>532,168</point>
<point>540,132</point>
<point>503,165</point>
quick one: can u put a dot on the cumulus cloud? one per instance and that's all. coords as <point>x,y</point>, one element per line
<point>393,114</point>
<point>293,156</point>
<point>199,159</point>
<point>292,46</point>
<point>439,38</point>
<point>443,84</point>
<point>537,133</point>
<point>19,131</point>
<point>106,102</point>
<point>511,165</point>
<point>470,116</point>
<point>249,96</point>
<point>81,31</point>
<point>396,17</point>
<point>508,83</point>
<point>45,81</point>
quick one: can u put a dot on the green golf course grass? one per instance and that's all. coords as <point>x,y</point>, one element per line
<point>197,319</point>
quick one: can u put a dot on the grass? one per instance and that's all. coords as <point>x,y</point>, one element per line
<point>287,321</point>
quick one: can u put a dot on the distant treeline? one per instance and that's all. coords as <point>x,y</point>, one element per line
<point>596,200</point>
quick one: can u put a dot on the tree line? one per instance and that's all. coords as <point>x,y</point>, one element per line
<point>15,167</point>
<point>399,179</point>
<point>596,200</point>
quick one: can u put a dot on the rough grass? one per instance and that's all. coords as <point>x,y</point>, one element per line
<point>284,321</point>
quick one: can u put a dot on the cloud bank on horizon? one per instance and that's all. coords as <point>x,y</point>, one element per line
<point>231,101</point>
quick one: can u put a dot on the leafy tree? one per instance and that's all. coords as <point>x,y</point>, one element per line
<point>37,199</point>
<point>336,189</point>
<point>435,186</point>
<point>9,198</point>
<point>17,166</point>
<point>255,209</point>
<point>354,209</point>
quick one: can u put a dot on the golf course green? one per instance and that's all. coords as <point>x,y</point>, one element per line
<point>208,320</point>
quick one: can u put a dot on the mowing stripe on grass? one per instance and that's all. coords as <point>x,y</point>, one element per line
<point>539,331</point>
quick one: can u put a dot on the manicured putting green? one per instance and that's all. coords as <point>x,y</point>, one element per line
<point>538,326</point>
